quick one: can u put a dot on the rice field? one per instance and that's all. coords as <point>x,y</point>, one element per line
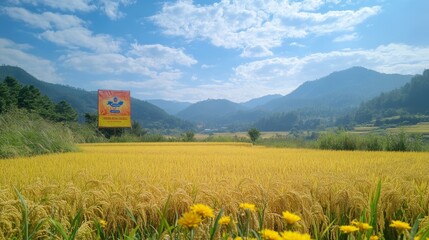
<point>144,189</point>
<point>419,128</point>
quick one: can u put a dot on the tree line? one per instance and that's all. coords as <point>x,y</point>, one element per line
<point>14,95</point>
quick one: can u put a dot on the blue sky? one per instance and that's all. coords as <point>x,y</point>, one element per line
<point>196,50</point>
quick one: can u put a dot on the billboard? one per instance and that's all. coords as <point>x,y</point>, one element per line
<point>114,109</point>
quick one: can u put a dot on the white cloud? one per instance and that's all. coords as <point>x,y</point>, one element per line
<point>80,37</point>
<point>245,25</point>
<point>340,21</point>
<point>278,75</point>
<point>256,51</point>
<point>154,61</point>
<point>46,20</point>
<point>346,37</point>
<point>65,30</point>
<point>295,44</point>
<point>158,55</point>
<point>68,5</point>
<point>14,54</point>
<point>111,7</point>
<point>292,71</point>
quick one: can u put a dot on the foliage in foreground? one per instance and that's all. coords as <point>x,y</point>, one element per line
<point>26,134</point>
<point>200,222</point>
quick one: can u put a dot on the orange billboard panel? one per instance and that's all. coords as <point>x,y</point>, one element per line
<point>114,109</point>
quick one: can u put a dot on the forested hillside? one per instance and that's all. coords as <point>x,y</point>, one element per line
<point>148,115</point>
<point>409,103</point>
<point>15,95</point>
<point>342,89</point>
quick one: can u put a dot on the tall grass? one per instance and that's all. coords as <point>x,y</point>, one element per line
<point>26,134</point>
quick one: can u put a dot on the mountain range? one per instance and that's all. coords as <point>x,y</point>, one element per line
<point>333,94</point>
<point>342,89</point>
<point>338,92</point>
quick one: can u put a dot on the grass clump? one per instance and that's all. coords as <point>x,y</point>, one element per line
<point>27,134</point>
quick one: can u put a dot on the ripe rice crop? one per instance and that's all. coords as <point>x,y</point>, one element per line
<point>145,184</point>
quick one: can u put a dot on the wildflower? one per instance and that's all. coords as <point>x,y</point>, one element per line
<point>190,220</point>
<point>348,229</point>
<point>270,235</point>
<point>400,226</point>
<point>102,223</point>
<point>362,226</point>
<point>203,210</point>
<point>225,220</point>
<point>289,235</point>
<point>290,217</point>
<point>248,206</point>
<point>374,237</point>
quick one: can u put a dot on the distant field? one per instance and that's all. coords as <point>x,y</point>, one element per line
<point>420,128</point>
<point>323,187</point>
<point>365,129</point>
<point>201,136</point>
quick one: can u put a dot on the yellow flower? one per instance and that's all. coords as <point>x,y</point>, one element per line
<point>362,226</point>
<point>290,217</point>
<point>348,229</point>
<point>400,226</point>
<point>268,234</point>
<point>374,237</point>
<point>248,206</point>
<point>203,210</point>
<point>190,220</point>
<point>102,223</point>
<point>420,238</point>
<point>225,220</point>
<point>289,235</point>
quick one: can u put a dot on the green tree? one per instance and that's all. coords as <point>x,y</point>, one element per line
<point>254,134</point>
<point>28,98</point>
<point>46,108</point>
<point>188,136</point>
<point>91,119</point>
<point>65,112</point>
<point>4,95</point>
<point>137,129</point>
<point>13,87</point>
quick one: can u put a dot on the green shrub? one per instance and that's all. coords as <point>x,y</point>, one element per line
<point>338,141</point>
<point>404,142</point>
<point>371,143</point>
<point>25,134</point>
<point>391,142</point>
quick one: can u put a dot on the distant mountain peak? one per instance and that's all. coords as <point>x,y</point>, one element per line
<point>345,88</point>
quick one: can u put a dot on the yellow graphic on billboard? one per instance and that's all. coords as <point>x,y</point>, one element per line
<point>114,109</point>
